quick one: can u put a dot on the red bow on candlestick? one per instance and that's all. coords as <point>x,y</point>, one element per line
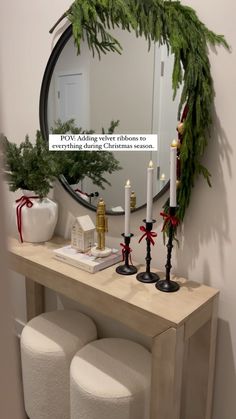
<point>169,218</point>
<point>126,248</point>
<point>148,234</point>
<point>24,200</point>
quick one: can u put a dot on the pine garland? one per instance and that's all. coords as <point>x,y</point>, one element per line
<point>178,27</point>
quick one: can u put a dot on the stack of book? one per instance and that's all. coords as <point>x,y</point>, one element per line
<point>86,261</point>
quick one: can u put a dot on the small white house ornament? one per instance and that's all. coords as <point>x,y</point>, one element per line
<point>82,233</point>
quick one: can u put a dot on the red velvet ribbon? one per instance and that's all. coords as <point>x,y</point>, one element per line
<point>24,200</point>
<point>180,137</point>
<point>126,248</point>
<point>183,117</point>
<point>83,193</point>
<point>178,169</point>
<point>169,218</point>
<point>185,113</point>
<point>148,234</point>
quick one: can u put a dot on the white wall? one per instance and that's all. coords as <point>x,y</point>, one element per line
<point>11,405</point>
<point>208,246</point>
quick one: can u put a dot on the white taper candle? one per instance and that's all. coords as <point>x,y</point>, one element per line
<point>150,172</point>
<point>127,208</point>
<point>173,167</point>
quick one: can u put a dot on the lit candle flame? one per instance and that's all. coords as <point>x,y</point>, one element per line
<point>150,164</point>
<point>163,176</point>
<point>127,183</point>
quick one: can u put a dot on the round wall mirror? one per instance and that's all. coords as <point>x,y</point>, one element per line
<point>134,90</point>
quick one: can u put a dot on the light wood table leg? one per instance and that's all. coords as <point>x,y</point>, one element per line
<point>212,356</point>
<point>199,370</point>
<point>34,298</point>
<point>167,371</point>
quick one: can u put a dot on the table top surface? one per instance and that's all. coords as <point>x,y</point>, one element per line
<point>175,308</point>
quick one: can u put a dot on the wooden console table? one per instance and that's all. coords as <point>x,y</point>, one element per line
<point>182,325</point>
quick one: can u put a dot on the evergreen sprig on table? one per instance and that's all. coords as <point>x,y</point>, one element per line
<point>178,27</point>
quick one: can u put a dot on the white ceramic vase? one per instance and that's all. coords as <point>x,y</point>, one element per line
<point>39,221</point>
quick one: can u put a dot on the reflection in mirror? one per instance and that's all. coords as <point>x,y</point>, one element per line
<point>134,88</point>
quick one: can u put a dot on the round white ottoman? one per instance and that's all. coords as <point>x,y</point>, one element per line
<point>110,379</point>
<point>48,344</point>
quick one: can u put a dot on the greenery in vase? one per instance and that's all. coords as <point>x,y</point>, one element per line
<point>76,165</point>
<point>29,166</point>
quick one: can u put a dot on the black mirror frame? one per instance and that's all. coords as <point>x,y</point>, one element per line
<point>43,105</point>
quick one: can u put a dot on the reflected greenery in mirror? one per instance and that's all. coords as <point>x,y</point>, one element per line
<point>76,166</point>
<point>177,26</point>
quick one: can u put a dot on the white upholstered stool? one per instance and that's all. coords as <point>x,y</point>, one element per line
<point>110,379</point>
<point>48,344</point>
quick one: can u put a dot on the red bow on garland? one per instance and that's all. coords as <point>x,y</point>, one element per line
<point>180,137</point>
<point>169,218</point>
<point>185,113</point>
<point>24,200</point>
<point>148,234</point>
<point>126,248</point>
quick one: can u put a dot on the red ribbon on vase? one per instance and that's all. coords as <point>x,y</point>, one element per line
<point>126,248</point>
<point>148,234</point>
<point>169,218</point>
<point>24,200</point>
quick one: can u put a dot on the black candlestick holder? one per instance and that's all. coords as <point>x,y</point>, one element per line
<point>126,269</point>
<point>166,285</point>
<point>148,277</point>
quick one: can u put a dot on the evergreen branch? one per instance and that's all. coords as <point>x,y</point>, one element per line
<point>57,22</point>
<point>60,20</point>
